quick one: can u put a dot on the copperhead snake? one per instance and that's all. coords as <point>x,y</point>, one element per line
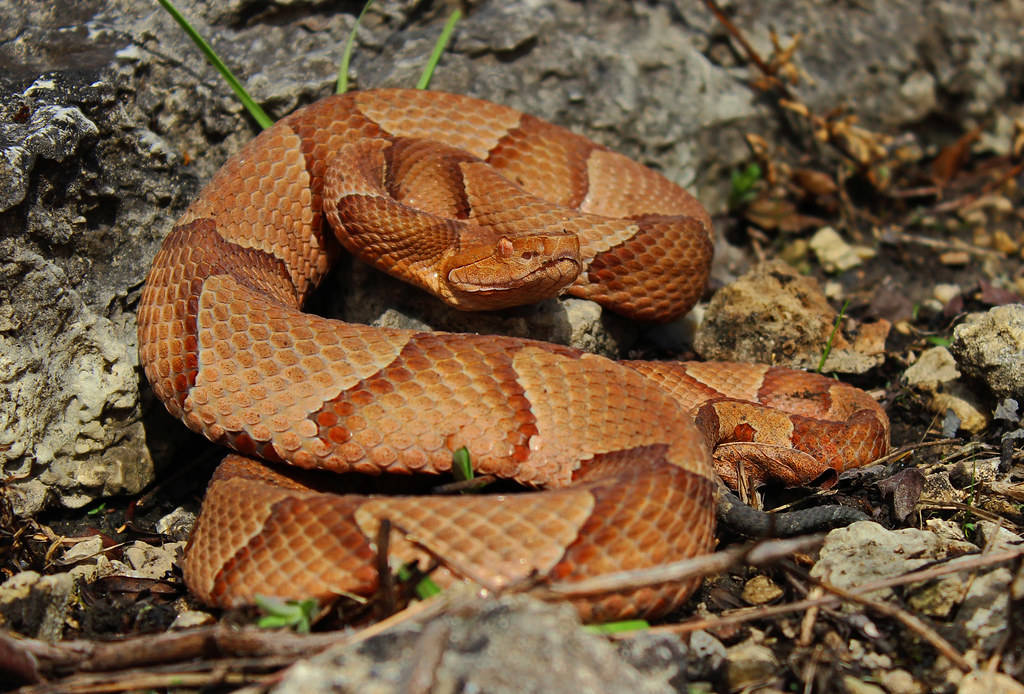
<point>486,207</point>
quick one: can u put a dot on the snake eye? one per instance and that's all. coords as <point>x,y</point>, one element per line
<point>505,248</point>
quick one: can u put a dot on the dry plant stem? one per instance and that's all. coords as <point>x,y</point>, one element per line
<point>807,625</point>
<point>956,506</point>
<point>908,620</point>
<point>893,236</point>
<point>749,614</point>
<point>426,658</point>
<point>904,451</point>
<point>960,202</point>
<point>758,554</point>
<point>136,680</point>
<point>213,641</point>
<point>752,54</point>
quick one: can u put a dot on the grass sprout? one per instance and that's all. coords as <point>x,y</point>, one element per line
<point>254,109</point>
<point>346,56</point>
<point>295,614</point>
<point>832,336</point>
<point>439,46</point>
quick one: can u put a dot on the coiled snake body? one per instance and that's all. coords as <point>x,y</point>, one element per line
<point>485,207</point>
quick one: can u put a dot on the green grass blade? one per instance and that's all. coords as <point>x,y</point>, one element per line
<point>439,46</point>
<point>251,106</point>
<point>426,588</point>
<point>617,627</point>
<point>831,338</point>
<point>462,468</point>
<point>346,57</point>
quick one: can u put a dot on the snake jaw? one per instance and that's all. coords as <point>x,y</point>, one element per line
<point>513,271</point>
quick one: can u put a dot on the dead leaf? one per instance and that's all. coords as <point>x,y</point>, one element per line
<point>953,157</point>
<point>995,296</point>
<point>769,213</point>
<point>815,183</point>
<point>902,490</point>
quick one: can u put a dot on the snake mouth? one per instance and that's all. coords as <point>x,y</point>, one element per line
<point>554,272</point>
<point>515,273</point>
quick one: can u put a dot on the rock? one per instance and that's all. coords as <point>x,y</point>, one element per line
<point>865,551</point>
<point>52,132</point>
<point>990,347</point>
<point>932,368</point>
<point>937,598</point>
<point>748,664</point>
<point>192,618</point>
<point>967,473</point>
<point>67,411</point>
<point>995,538</point>
<point>511,644</point>
<point>665,657</point>
<point>761,590</point>
<point>946,292</point>
<point>938,487</point>
<point>773,314</point>
<point>177,524</point>
<point>709,650</point>
<point>83,551</point>
<point>152,562</point>
<point>984,682</point>
<point>835,254</point>
<point>983,616</point>
<point>935,373</point>
<point>37,605</point>
<point>947,530</point>
<point>853,685</point>
<point>898,681</point>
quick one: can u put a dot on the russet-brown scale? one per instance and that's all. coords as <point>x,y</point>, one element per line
<point>545,160</point>
<point>630,277</point>
<point>400,418</point>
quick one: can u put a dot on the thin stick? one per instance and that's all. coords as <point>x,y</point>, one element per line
<point>908,620</point>
<point>748,614</point>
<point>760,553</point>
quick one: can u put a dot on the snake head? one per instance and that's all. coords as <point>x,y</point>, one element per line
<point>512,271</point>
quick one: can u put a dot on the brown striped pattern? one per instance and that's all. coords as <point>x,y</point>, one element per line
<point>485,207</point>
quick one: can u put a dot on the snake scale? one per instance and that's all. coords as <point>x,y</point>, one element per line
<point>486,207</point>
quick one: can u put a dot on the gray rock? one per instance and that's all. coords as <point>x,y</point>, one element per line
<point>983,617</point>
<point>512,644</point>
<point>37,605</point>
<point>749,664</point>
<point>52,132</point>
<point>995,538</point>
<point>990,347</point>
<point>935,374</point>
<point>853,685</point>
<point>985,682</point>
<point>865,552</point>
<point>177,524</point>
